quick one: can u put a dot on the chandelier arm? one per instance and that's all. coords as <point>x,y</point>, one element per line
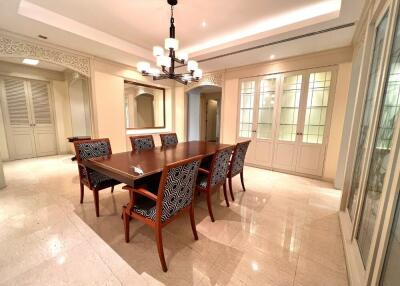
<point>159,77</point>
<point>182,62</point>
<point>185,82</point>
<point>164,70</point>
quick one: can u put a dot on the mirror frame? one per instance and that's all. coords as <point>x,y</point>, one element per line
<point>149,86</point>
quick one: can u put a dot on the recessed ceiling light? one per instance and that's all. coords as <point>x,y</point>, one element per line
<point>271,57</point>
<point>31,62</point>
<point>204,24</point>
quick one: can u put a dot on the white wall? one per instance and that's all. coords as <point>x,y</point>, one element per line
<point>194,115</point>
<point>337,121</point>
<point>3,139</point>
<point>229,111</point>
<point>62,112</point>
<point>2,179</point>
<point>180,121</point>
<point>78,110</point>
<point>108,104</point>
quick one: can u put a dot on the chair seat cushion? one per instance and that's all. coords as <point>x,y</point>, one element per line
<point>202,180</point>
<point>100,181</point>
<point>145,207</point>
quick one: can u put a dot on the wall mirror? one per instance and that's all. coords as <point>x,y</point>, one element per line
<point>144,106</point>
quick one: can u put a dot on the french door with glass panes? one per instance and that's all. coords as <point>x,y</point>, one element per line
<point>303,121</point>
<point>257,118</point>
<point>287,118</point>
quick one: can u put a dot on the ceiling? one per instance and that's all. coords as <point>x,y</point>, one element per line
<point>125,30</point>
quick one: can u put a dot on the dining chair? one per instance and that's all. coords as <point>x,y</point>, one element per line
<point>95,181</point>
<point>237,163</point>
<point>174,197</point>
<point>168,139</point>
<point>213,178</point>
<point>144,142</point>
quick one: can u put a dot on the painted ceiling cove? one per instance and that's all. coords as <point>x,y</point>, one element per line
<point>125,31</point>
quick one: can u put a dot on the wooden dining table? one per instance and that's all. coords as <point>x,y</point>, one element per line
<point>121,166</point>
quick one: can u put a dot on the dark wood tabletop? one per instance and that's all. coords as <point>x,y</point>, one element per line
<point>119,166</point>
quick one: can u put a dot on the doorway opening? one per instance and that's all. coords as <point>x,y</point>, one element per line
<point>204,113</point>
<point>40,107</point>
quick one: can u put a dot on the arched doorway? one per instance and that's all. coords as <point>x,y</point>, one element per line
<point>41,105</point>
<point>204,113</point>
<point>145,109</point>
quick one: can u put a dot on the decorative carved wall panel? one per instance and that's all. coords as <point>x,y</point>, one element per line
<point>216,78</point>
<point>15,47</point>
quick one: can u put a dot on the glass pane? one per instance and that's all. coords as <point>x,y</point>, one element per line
<point>247,90</point>
<point>376,60</point>
<point>390,273</point>
<point>266,108</point>
<point>290,101</point>
<point>388,117</point>
<point>317,106</point>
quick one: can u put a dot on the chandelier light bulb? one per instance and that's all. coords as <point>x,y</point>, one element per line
<point>164,61</point>
<point>143,67</point>
<point>154,71</point>
<point>192,65</point>
<point>198,73</point>
<point>183,56</point>
<point>158,51</point>
<point>187,78</point>
<point>171,43</point>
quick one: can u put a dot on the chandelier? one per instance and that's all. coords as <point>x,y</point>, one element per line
<point>167,62</point>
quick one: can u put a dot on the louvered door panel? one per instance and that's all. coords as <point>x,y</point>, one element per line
<point>40,103</point>
<point>17,106</point>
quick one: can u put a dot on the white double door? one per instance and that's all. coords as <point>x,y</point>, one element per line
<point>287,118</point>
<point>28,118</point>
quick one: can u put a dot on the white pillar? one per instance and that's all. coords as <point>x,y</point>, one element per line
<point>2,179</point>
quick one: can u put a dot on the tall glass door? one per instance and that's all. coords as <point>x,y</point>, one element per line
<point>388,120</point>
<point>257,117</point>
<point>391,274</point>
<point>366,117</point>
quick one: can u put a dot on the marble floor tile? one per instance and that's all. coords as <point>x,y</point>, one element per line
<point>283,230</point>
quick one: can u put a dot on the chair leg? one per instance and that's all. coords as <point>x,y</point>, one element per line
<point>242,180</point>
<point>96,202</point>
<point>192,222</point>
<point>230,188</point>
<point>160,248</point>
<point>225,195</point>
<point>112,189</point>
<point>126,223</point>
<point>209,205</point>
<point>82,192</point>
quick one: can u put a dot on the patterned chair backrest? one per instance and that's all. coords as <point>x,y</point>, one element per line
<point>239,154</point>
<point>177,187</point>
<point>92,148</point>
<point>169,139</point>
<point>142,142</point>
<point>220,166</point>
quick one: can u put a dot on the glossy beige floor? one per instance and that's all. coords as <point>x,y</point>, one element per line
<point>283,231</point>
